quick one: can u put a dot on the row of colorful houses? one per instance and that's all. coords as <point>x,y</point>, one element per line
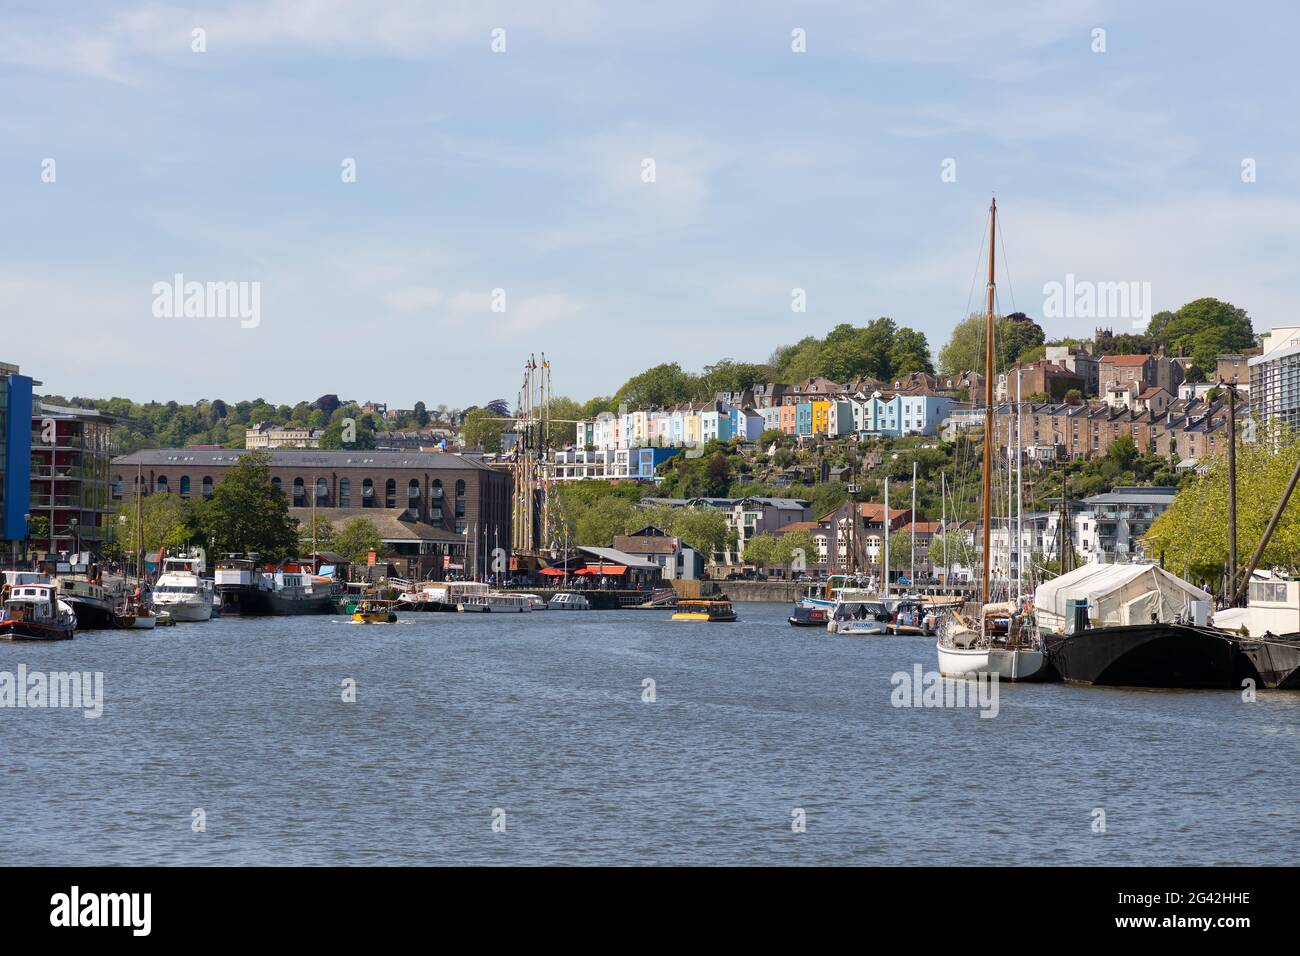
<point>798,415</point>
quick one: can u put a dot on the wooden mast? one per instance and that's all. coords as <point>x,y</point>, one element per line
<point>989,435</point>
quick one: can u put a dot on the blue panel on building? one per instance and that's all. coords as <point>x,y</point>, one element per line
<point>18,456</point>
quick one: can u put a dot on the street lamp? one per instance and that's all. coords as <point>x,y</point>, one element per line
<point>27,535</point>
<point>76,540</point>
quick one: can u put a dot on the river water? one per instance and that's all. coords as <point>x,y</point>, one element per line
<point>540,724</point>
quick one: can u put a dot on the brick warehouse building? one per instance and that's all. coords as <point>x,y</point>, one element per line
<point>428,506</point>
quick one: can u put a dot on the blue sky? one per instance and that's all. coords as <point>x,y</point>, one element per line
<point>522,171</point>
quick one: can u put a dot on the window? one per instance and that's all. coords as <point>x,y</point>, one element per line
<point>413,491</point>
<point>207,486</point>
<point>435,494</point>
<point>345,492</point>
<point>367,493</point>
<point>117,487</point>
<point>299,491</point>
<point>275,483</point>
<point>185,486</point>
<point>322,489</point>
<point>390,493</point>
<point>160,484</point>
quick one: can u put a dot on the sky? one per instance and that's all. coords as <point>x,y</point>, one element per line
<point>500,205</point>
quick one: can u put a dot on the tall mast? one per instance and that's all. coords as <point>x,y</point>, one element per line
<point>913,571</point>
<point>989,435</point>
<point>1020,501</point>
<point>1232,487</point>
<point>943,507</point>
<point>885,570</point>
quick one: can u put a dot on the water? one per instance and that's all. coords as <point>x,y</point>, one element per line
<point>541,715</point>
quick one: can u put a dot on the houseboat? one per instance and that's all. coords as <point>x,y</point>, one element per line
<point>94,606</point>
<point>243,588</point>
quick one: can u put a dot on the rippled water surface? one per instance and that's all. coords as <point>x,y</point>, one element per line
<point>541,715</point>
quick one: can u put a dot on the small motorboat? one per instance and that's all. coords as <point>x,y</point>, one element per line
<point>374,612</point>
<point>806,616</point>
<point>569,601</point>
<point>712,611</point>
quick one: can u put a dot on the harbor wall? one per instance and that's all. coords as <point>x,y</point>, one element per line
<point>772,592</point>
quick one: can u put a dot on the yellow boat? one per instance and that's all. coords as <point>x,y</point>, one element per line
<point>374,612</point>
<point>704,611</point>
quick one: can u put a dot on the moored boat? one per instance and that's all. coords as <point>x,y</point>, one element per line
<point>90,602</point>
<point>569,601</point>
<point>33,612</point>
<point>498,602</point>
<point>858,615</point>
<point>245,589</point>
<point>805,616</point>
<point>181,592</point>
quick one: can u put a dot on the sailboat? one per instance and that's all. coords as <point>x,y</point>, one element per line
<point>1000,641</point>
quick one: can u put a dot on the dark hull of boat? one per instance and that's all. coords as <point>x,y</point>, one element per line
<point>257,602</point>
<point>1271,662</point>
<point>808,617</point>
<point>91,615</point>
<point>30,631</point>
<point>440,606</point>
<point>1147,655</point>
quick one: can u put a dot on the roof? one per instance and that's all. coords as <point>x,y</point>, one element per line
<point>303,458</point>
<point>393,524</point>
<point>614,556</point>
<point>66,411</point>
<point>1126,495</point>
<point>1126,359</point>
<point>801,526</point>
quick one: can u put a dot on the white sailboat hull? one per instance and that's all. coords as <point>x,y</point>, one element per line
<point>1008,664</point>
<point>185,610</point>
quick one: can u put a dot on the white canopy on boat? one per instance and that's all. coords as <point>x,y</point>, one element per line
<point>1117,594</point>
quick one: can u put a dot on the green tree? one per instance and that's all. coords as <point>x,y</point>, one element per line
<point>167,524</point>
<point>356,539</point>
<point>247,513</point>
<point>483,429</point>
<point>596,525</point>
<point>1206,328</point>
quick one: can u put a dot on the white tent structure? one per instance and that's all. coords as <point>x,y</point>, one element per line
<point>1119,594</point>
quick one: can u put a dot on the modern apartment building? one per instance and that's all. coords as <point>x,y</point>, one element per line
<point>69,478</point>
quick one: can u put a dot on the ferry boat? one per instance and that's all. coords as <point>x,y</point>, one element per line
<point>496,602</point>
<point>181,592</point>
<point>374,612</point>
<point>33,612</point>
<point>712,611</point>
<point>243,588</point>
<point>569,601</point>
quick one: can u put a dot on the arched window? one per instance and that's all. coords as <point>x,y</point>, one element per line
<point>118,485</point>
<point>160,484</point>
<point>207,486</point>
<point>185,486</point>
<point>299,491</point>
<point>322,490</point>
<point>367,493</point>
<point>390,493</point>
<point>413,490</point>
<point>460,498</point>
<point>435,500</point>
<point>275,483</point>
<point>345,492</point>
<point>460,488</point>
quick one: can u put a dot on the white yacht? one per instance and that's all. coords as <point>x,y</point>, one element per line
<point>181,592</point>
<point>569,601</point>
<point>858,612</point>
<point>496,602</point>
<point>535,601</point>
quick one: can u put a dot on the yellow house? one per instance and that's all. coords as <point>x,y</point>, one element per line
<point>821,417</point>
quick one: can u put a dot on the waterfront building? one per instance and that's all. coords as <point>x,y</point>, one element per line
<point>1080,361</point>
<point>462,505</point>
<point>69,485</point>
<point>745,516</point>
<point>1108,526</point>
<point>677,559</point>
<point>15,458</point>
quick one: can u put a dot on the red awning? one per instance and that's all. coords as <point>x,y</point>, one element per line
<point>596,570</point>
<point>554,572</point>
